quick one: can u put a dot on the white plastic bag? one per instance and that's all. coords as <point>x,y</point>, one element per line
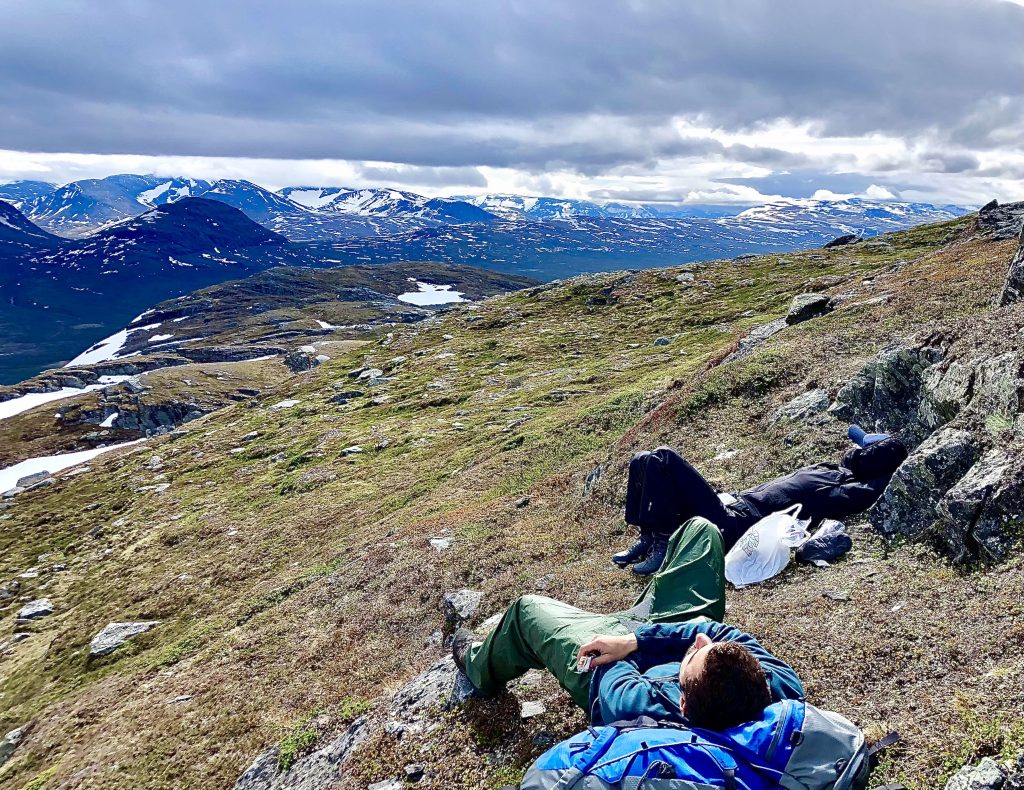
<point>764,549</point>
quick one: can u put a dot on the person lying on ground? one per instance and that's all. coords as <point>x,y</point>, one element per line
<point>664,490</point>
<point>669,657</point>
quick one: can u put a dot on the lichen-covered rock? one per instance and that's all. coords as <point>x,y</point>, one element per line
<point>802,406</point>
<point>459,607</point>
<point>987,775</point>
<point>1013,288</point>
<point>908,507</point>
<point>945,392</point>
<point>807,306</point>
<point>986,504</point>
<point>116,634</point>
<point>887,392</point>
<point>300,360</point>
<point>316,770</point>
<point>999,386</point>
<point>9,743</point>
<point>1001,221</point>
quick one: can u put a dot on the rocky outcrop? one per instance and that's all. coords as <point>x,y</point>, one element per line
<point>909,505</point>
<point>317,770</point>
<point>843,241</point>
<point>886,394</point>
<point>983,511</point>
<point>304,358</point>
<point>1013,288</point>
<point>1000,222</point>
<point>808,306</point>
<point>755,338</point>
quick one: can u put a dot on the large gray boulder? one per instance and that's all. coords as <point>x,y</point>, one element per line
<point>909,505</point>
<point>1013,288</point>
<point>116,634</point>
<point>977,514</point>
<point>807,306</point>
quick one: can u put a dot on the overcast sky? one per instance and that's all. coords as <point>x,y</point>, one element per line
<point>703,101</point>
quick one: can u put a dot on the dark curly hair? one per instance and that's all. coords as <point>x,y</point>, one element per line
<point>731,689</point>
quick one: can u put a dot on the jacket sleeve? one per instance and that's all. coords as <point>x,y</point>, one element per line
<point>627,695</point>
<point>853,497</point>
<point>665,642</point>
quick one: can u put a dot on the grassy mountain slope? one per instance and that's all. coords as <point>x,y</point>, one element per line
<point>296,587</point>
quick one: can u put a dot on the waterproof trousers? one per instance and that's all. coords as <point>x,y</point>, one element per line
<point>542,633</point>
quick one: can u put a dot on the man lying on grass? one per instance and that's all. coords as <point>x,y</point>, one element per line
<point>669,657</point>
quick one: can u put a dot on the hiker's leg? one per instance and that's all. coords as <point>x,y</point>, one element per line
<point>691,582</point>
<point>538,633</point>
<point>697,497</point>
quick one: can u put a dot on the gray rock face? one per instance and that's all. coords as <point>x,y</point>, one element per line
<point>115,635</point>
<point>30,480</point>
<point>1001,222</point>
<point>807,306</point>
<point>755,338</point>
<point>36,609</point>
<point>986,775</point>
<point>976,514</point>
<point>802,406</point>
<point>843,241</point>
<point>301,360</point>
<point>887,392</point>
<point>1013,288</point>
<point>314,771</point>
<point>460,607</point>
<point>909,505</point>
<point>9,743</point>
<point>441,685</point>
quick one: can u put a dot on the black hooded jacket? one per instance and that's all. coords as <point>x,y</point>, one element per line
<point>825,490</point>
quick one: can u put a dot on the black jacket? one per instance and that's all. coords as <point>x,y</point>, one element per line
<point>823,490</point>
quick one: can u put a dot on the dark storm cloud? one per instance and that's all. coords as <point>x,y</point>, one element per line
<point>532,84</point>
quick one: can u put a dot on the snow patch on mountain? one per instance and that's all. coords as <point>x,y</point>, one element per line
<point>53,464</point>
<point>431,294</point>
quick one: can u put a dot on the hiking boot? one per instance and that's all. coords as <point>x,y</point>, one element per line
<point>462,640</point>
<point>655,557</point>
<point>634,553</point>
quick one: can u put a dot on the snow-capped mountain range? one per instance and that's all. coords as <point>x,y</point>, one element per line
<point>341,214</point>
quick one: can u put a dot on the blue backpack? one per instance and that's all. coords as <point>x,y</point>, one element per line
<point>793,746</point>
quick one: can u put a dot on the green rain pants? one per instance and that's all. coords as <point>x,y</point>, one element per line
<point>542,633</point>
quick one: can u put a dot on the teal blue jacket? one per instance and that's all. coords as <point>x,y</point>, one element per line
<point>647,683</point>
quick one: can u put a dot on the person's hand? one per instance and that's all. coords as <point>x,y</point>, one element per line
<point>608,649</point>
